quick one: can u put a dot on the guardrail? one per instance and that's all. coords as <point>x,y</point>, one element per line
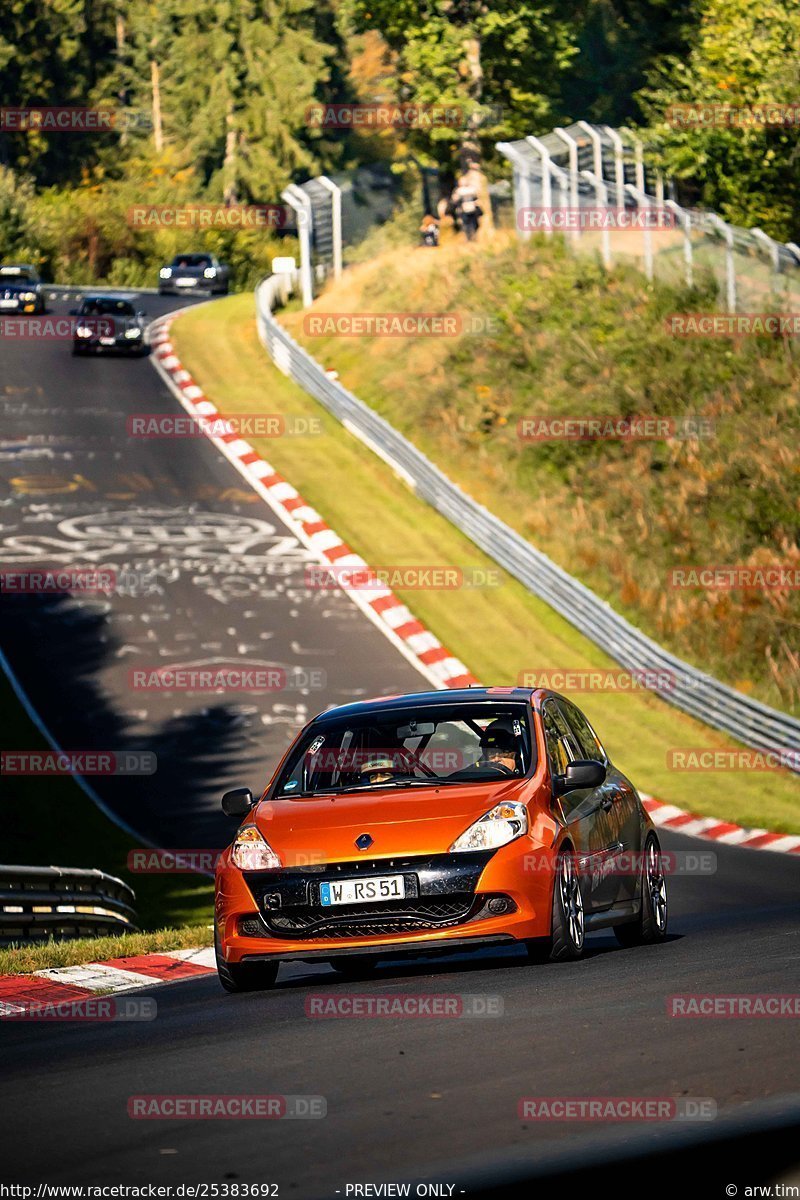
<point>37,903</point>
<point>755,724</point>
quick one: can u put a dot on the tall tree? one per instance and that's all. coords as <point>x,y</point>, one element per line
<point>745,55</point>
<point>499,61</point>
<point>229,83</point>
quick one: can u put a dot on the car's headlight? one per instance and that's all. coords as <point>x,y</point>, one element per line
<point>210,272</point>
<point>83,331</point>
<point>27,297</point>
<point>252,853</point>
<point>165,272</point>
<point>133,333</point>
<point>502,824</point>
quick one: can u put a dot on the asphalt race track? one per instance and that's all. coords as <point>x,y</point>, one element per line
<point>405,1097</point>
<point>204,574</point>
<point>411,1096</point>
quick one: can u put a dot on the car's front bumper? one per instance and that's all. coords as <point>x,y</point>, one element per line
<point>12,305</point>
<point>450,898</point>
<point>171,288</point>
<point>120,345</point>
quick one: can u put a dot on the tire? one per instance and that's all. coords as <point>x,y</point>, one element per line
<point>77,351</point>
<point>354,966</point>
<point>650,927</point>
<point>243,977</point>
<point>568,932</point>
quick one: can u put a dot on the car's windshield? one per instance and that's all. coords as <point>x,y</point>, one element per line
<point>191,260</point>
<point>439,744</point>
<point>102,307</point>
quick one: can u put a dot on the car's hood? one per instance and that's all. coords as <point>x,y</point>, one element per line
<point>188,271</point>
<point>421,820</point>
<point>13,287</point>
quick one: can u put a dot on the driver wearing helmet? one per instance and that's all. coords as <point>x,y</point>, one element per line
<point>498,753</point>
<point>378,768</point>
<point>498,748</point>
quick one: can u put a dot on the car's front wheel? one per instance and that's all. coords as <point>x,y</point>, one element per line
<point>651,925</point>
<point>243,977</point>
<point>568,931</point>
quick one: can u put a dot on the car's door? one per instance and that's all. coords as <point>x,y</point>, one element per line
<point>589,814</point>
<point>626,814</point>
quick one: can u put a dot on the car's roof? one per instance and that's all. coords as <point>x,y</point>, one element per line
<point>194,254</point>
<point>427,699</point>
<point>13,266</point>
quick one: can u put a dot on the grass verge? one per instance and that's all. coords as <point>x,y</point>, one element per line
<point>497,631</point>
<point>557,337</point>
<point>21,960</point>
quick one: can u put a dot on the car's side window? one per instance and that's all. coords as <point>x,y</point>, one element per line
<point>562,749</point>
<point>582,732</point>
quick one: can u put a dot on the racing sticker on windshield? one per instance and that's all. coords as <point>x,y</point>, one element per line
<point>317,744</point>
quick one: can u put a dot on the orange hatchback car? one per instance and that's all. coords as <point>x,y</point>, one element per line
<point>437,821</point>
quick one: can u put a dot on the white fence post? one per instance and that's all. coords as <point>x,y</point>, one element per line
<point>643,202</point>
<point>730,265</point>
<point>685,219</point>
<point>619,166</point>
<point>300,202</point>
<point>522,186</point>
<point>601,195</point>
<point>574,198</point>
<point>547,191</point>
<point>597,146</point>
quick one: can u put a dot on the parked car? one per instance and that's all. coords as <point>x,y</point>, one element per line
<point>108,323</point>
<point>193,273</point>
<point>443,820</point>
<point>20,289</point>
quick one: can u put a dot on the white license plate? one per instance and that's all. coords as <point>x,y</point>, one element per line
<point>107,341</point>
<point>363,891</point>
<point>8,303</point>
<point>186,282</point>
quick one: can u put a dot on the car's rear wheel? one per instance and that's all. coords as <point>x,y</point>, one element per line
<point>355,966</point>
<point>243,977</point>
<point>651,924</point>
<point>567,926</point>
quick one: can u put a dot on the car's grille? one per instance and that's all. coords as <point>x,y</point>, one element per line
<point>351,920</point>
<point>312,921</point>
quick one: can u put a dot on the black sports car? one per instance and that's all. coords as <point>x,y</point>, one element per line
<point>109,323</point>
<point>194,273</point>
<point>20,289</point>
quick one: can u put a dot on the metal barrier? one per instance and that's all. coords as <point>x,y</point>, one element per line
<point>595,168</point>
<point>689,689</point>
<point>37,903</point>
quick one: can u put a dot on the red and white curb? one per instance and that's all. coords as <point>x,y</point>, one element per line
<point>22,995</point>
<point>380,604</point>
<point>668,816</point>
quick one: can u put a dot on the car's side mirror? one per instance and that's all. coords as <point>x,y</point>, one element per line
<point>582,775</point>
<point>238,802</point>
